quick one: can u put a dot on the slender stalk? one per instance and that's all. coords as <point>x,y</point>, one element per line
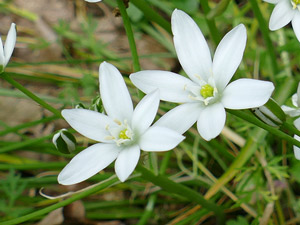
<point>214,33</point>
<point>35,98</point>
<point>25,125</point>
<point>291,128</point>
<point>252,119</point>
<point>179,189</point>
<point>63,203</point>
<point>151,14</point>
<point>128,29</point>
<point>265,32</point>
<point>23,144</point>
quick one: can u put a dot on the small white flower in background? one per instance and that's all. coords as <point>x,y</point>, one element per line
<point>123,131</point>
<point>284,12</point>
<point>294,112</point>
<point>7,50</point>
<point>207,93</point>
<point>92,1</point>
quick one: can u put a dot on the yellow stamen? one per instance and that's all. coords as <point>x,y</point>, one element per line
<point>207,91</point>
<point>123,134</point>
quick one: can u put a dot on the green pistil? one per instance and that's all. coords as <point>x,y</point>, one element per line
<point>207,91</point>
<point>123,134</point>
<point>297,2</point>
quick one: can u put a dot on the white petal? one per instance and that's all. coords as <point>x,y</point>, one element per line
<point>127,161</point>
<point>293,112</point>
<point>282,14</point>
<point>10,43</point>
<point>228,56</point>
<point>191,48</point>
<point>272,1</point>
<point>297,149</point>
<point>296,25</point>
<point>298,95</point>
<point>87,163</point>
<point>171,86</point>
<point>89,123</point>
<point>295,100</point>
<point>2,58</point>
<point>160,139</point>
<point>114,93</point>
<point>145,112</point>
<point>93,1</point>
<point>247,93</point>
<point>180,118</point>
<point>211,121</point>
<point>297,123</point>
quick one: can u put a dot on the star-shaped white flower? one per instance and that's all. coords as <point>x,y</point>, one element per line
<point>6,52</point>
<point>123,132</point>
<point>92,1</point>
<point>207,93</point>
<point>284,12</point>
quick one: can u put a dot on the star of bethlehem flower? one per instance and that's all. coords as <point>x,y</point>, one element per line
<point>7,50</point>
<point>295,112</point>
<point>207,93</point>
<point>92,1</point>
<point>123,132</point>
<point>284,12</point>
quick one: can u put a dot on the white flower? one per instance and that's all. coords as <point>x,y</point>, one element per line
<point>92,1</point>
<point>284,12</point>
<point>206,93</point>
<point>123,131</point>
<point>294,112</point>
<point>6,52</point>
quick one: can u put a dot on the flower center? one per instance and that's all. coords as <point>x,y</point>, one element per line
<point>124,134</point>
<point>207,90</point>
<point>121,134</point>
<point>296,4</point>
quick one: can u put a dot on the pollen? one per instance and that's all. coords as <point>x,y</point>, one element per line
<point>123,134</point>
<point>207,91</point>
<point>297,2</point>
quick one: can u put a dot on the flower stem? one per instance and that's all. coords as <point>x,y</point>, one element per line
<point>151,14</point>
<point>252,119</point>
<point>75,197</point>
<point>35,98</point>
<point>214,33</point>
<point>128,29</point>
<point>265,32</point>
<point>179,189</point>
<point>291,128</point>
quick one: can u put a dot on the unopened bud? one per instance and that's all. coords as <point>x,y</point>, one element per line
<point>270,113</point>
<point>79,106</point>
<point>97,105</point>
<point>64,141</point>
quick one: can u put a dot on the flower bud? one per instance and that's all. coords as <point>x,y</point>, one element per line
<point>97,105</point>
<point>64,141</point>
<point>79,106</point>
<point>270,113</point>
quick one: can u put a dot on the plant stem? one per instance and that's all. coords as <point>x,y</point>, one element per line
<point>35,98</point>
<point>130,36</point>
<point>102,185</point>
<point>214,33</point>
<point>265,32</point>
<point>151,14</point>
<point>252,119</point>
<point>181,190</point>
